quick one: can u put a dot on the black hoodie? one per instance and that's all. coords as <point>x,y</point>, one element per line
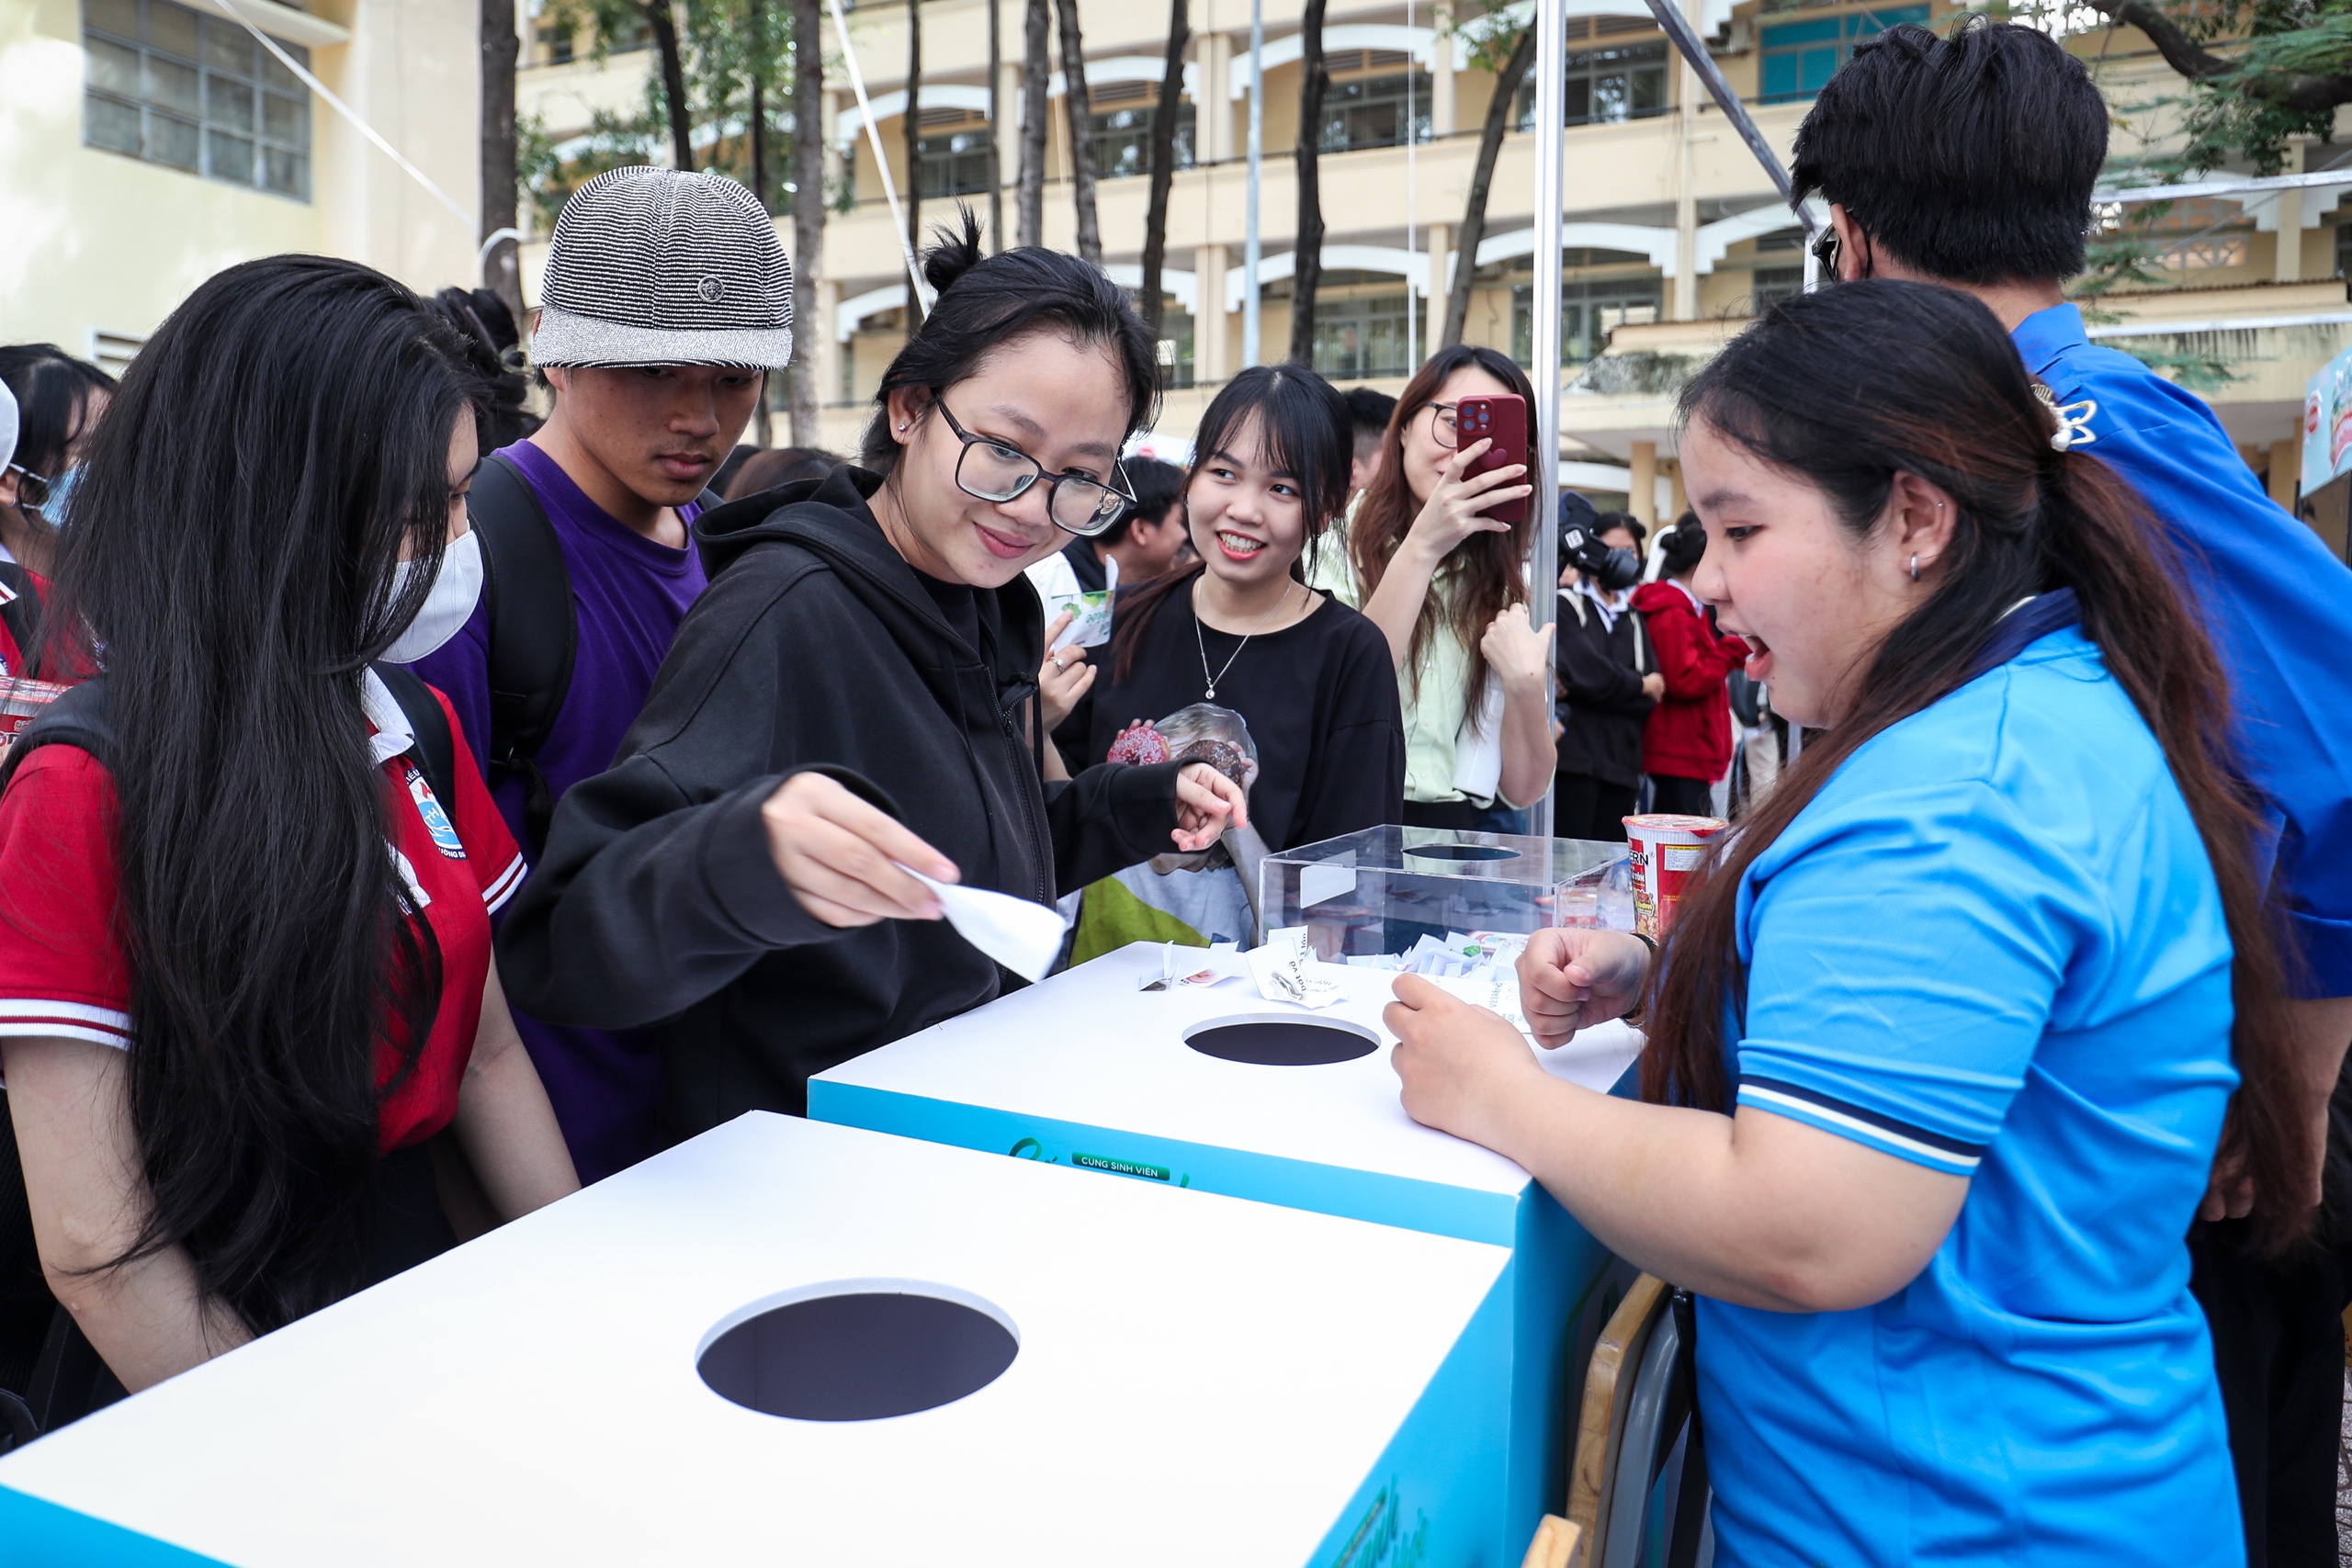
<point>815,647</point>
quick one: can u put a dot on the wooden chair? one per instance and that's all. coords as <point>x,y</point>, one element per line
<point>1638,1403</point>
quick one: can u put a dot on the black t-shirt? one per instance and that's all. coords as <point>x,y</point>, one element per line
<point>1320,698</point>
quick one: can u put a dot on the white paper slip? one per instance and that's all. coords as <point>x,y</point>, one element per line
<point>1026,937</point>
<point>1287,970</point>
<point>1491,987</point>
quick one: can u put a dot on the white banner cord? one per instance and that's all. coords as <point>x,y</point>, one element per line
<point>471,221</point>
<point>920,291</point>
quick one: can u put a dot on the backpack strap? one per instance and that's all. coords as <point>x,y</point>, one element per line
<point>22,616</point>
<point>434,749</point>
<point>533,632</point>
<point>77,717</point>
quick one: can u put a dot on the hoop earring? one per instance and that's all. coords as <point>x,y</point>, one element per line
<point>1914,566</point>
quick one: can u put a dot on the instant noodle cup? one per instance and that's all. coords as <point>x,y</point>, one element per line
<point>1666,850</point>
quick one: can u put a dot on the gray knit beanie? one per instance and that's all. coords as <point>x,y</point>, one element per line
<point>655,267</point>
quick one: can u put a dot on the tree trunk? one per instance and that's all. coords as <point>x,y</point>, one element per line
<point>996,120</point>
<point>498,47</point>
<point>1163,166</point>
<point>755,14</point>
<point>1037,66</point>
<point>1308,263</point>
<point>673,83</point>
<point>915,126</point>
<point>1076,103</point>
<point>1473,208</point>
<point>808,215</point>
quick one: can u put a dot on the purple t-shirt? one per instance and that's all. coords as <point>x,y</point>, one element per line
<point>628,594</point>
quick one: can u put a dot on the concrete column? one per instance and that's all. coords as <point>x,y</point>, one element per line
<point>1008,135</point>
<point>2291,219</point>
<point>819,335</point>
<point>1681,502</point>
<point>2286,463</point>
<point>1212,116</point>
<point>1642,501</point>
<point>1440,240</point>
<point>1442,112</point>
<point>1209,322</point>
<point>1689,94</point>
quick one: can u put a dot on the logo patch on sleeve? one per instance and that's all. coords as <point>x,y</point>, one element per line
<point>437,821</point>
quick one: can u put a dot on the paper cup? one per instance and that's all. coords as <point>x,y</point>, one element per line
<point>1666,850</point>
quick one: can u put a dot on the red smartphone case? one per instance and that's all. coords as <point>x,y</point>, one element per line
<point>1502,419</point>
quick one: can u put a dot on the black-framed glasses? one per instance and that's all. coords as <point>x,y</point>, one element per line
<point>1825,252</point>
<point>32,489</point>
<point>989,469</point>
<point>1444,425</point>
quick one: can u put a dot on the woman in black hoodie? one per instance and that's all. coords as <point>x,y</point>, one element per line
<point>856,688</point>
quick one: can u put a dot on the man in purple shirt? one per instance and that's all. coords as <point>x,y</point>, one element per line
<point>667,297</point>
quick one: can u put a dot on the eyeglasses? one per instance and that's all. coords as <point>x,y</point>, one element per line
<point>32,489</point>
<point>1825,254</point>
<point>989,469</point>
<point>1443,427</point>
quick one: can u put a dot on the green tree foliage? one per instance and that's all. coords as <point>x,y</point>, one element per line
<point>722,44</point>
<point>2259,72</point>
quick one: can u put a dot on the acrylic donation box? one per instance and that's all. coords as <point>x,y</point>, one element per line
<point>785,1342</point>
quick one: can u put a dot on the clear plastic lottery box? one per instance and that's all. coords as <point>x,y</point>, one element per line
<point>1380,891</point>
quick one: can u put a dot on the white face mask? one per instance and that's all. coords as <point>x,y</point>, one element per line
<point>448,605</point>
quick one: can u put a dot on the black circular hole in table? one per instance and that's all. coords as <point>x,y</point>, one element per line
<point>1462,851</point>
<point>1277,1043</point>
<point>859,1357</point>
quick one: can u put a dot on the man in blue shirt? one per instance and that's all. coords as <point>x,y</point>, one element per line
<point>1969,163</point>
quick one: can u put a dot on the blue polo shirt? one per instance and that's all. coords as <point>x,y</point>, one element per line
<point>1992,945</point>
<point>2277,604</point>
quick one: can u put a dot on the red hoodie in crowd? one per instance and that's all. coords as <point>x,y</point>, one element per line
<point>1689,734</point>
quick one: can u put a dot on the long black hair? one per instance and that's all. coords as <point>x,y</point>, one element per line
<point>1852,386</point>
<point>1482,578</point>
<point>1303,424</point>
<point>986,302</point>
<point>276,444</point>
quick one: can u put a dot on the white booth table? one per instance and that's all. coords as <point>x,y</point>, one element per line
<point>1085,1070</point>
<point>1192,1379</point>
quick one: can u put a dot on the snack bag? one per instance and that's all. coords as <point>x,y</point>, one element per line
<point>1089,621</point>
<point>1192,900</point>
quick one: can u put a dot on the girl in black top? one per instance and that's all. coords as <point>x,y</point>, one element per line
<point>1311,677</point>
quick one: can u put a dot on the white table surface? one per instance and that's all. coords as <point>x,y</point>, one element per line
<point>1200,1380</point>
<point>1086,1046</point>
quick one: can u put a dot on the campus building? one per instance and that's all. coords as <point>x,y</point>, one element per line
<point>1673,234</point>
<point>148,143</point>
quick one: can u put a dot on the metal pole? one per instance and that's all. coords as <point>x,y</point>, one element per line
<point>1686,42</point>
<point>1252,251</point>
<point>1551,117</point>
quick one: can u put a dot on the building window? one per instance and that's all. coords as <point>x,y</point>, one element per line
<point>1799,57</point>
<point>1361,337</point>
<point>555,44</point>
<point>197,93</point>
<point>1774,284</point>
<point>954,156</point>
<point>1122,133</point>
<point>1605,85</point>
<point>1374,110</point>
<point>1588,313</point>
<point>2343,250</point>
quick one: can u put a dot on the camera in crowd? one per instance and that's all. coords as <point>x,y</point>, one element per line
<point>1611,570</point>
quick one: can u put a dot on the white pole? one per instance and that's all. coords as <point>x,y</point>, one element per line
<point>1252,251</point>
<point>1412,300</point>
<point>1551,115</point>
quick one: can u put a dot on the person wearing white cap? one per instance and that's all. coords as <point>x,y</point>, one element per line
<point>667,298</point>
